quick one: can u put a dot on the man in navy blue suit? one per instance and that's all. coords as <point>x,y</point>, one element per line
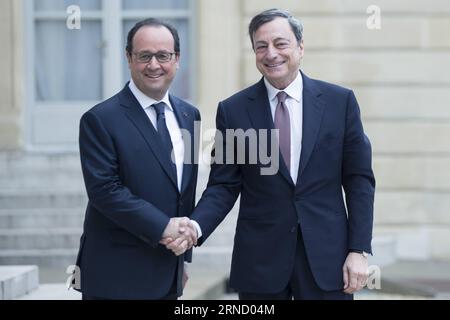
<point>296,235</point>
<point>138,165</point>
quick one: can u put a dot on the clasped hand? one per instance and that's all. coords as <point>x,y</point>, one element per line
<point>180,235</point>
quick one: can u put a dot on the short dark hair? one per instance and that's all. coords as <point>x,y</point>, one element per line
<point>156,23</point>
<point>272,14</point>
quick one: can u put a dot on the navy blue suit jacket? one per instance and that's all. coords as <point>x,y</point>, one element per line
<point>132,194</point>
<point>335,155</point>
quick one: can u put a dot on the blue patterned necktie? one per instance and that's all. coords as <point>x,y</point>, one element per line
<point>164,132</point>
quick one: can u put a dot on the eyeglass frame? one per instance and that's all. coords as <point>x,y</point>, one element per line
<point>151,54</point>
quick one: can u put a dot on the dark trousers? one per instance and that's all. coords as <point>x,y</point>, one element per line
<point>302,285</point>
<point>171,295</point>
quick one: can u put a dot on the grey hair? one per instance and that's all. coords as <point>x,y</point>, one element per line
<point>271,14</point>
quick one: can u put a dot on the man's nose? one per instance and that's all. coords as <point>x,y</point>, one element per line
<point>153,63</point>
<point>272,52</point>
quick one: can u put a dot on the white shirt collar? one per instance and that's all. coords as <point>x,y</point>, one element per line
<point>144,100</point>
<point>294,90</point>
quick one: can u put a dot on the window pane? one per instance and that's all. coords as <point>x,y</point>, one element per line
<point>181,84</point>
<point>154,4</point>
<point>68,62</point>
<point>57,5</point>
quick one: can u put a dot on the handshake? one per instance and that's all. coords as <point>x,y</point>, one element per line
<point>180,235</point>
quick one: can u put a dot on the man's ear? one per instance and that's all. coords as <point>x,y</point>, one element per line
<point>177,60</point>
<point>302,48</point>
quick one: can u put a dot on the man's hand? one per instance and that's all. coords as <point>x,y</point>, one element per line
<point>179,235</point>
<point>356,272</point>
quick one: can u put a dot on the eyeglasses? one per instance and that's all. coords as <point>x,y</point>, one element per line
<point>161,57</point>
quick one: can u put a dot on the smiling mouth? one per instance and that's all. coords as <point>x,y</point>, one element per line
<point>274,65</point>
<point>156,76</point>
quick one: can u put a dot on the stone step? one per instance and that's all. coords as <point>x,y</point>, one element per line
<point>45,179</point>
<point>49,258</point>
<point>60,238</point>
<point>29,170</point>
<point>41,218</point>
<point>16,281</point>
<point>42,198</point>
<point>52,291</point>
<point>14,169</point>
<point>18,161</point>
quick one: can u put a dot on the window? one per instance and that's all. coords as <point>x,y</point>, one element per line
<point>70,70</point>
<point>68,63</point>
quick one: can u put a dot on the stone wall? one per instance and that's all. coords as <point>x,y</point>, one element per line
<point>11,62</point>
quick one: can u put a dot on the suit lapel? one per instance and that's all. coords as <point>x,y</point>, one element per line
<point>140,119</point>
<point>186,122</point>
<point>261,118</point>
<point>313,107</point>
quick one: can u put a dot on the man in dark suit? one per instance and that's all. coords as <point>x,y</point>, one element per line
<point>137,158</point>
<point>296,235</point>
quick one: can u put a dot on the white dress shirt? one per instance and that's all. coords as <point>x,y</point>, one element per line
<point>171,122</point>
<point>294,104</point>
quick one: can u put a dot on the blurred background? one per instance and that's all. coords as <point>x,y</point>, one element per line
<point>58,61</point>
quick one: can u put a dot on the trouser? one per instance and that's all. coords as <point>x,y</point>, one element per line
<point>302,285</point>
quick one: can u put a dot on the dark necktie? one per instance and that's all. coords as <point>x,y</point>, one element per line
<point>163,132</point>
<point>283,123</point>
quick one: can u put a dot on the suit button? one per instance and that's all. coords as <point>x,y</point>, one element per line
<point>180,203</point>
<point>293,229</point>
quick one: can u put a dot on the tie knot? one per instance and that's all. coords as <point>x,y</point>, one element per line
<point>159,108</point>
<point>282,96</point>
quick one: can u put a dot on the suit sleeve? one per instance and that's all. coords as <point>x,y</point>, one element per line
<point>105,189</point>
<point>358,179</point>
<point>224,183</point>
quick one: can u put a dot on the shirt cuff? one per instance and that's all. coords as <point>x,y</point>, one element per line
<point>197,226</point>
